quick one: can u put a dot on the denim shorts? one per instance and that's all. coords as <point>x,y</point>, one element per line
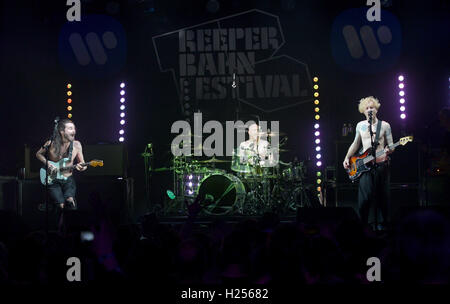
<point>60,190</point>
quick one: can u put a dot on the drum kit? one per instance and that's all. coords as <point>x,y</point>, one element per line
<point>254,183</point>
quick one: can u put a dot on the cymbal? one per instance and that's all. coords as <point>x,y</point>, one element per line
<point>214,160</point>
<point>272,134</point>
<point>162,169</point>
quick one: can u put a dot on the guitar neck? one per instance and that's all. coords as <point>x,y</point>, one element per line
<point>72,167</point>
<point>381,152</point>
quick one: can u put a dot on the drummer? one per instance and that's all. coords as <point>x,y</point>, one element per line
<point>255,146</point>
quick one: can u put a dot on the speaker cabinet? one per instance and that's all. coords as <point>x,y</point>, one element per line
<point>116,194</point>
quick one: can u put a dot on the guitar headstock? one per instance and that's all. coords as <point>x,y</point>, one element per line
<point>96,163</point>
<point>404,140</point>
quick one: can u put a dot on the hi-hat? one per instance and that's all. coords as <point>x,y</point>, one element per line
<point>214,160</point>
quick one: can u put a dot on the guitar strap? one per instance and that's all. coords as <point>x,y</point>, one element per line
<point>71,148</point>
<point>377,136</point>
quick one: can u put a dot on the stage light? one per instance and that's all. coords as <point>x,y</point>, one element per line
<point>121,132</point>
<point>122,122</point>
<point>316,126</point>
<point>319,181</point>
<point>122,107</point>
<point>402,100</point>
<point>319,163</point>
<point>315,79</point>
<point>122,100</point>
<point>402,108</point>
<point>69,100</point>
<point>121,139</point>
<point>190,176</point>
<point>403,116</point>
<point>319,189</point>
<point>316,87</point>
<point>190,184</point>
<point>319,174</point>
<point>317,109</point>
<point>317,133</point>
<point>317,141</point>
<point>318,156</point>
<point>122,92</point>
<point>122,114</point>
<point>316,94</point>
<point>401,78</point>
<point>69,86</point>
<point>190,192</point>
<point>401,86</point>
<point>401,93</point>
<point>316,102</point>
<point>69,108</point>
<point>317,117</point>
<point>122,85</point>
<point>122,110</point>
<point>69,115</point>
<point>318,148</point>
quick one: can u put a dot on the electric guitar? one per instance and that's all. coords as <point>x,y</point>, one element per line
<point>61,168</point>
<point>360,163</point>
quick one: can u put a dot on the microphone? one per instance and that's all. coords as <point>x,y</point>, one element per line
<point>234,81</point>
<point>56,119</point>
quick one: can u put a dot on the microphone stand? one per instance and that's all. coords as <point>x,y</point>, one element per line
<point>373,152</point>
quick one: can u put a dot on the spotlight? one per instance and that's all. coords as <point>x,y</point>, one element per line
<point>402,100</point>
<point>122,122</point>
<point>316,87</point>
<point>401,78</point>
<point>317,109</point>
<point>69,93</point>
<point>402,108</point>
<point>317,117</point>
<point>121,132</point>
<point>319,174</point>
<point>319,163</point>
<point>316,102</point>
<point>403,116</point>
<point>122,92</point>
<point>122,107</point>
<point>69,100</point>
<point>69,115</point>
<point>121,139</point>
<point>122,85</point>
<point>122,100</point>
<point>122,115</point>
<point>318,156</point>
<point>69,86</point>
<point>316,94</point>
<point>401,86</point>
<point>318,148</point>
<point>317,141</point>
<point>315,79</point>
<point>316,126</point>
<point>401,93</point>
<point>317,133</point>
<point>69,108</point>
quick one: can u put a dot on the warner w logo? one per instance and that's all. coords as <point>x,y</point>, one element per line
<point>94,47</point>
<point>362,46</point>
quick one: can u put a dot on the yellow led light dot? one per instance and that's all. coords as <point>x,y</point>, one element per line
<point>317,117</point>
<point>319,181</point>
<point>316,101</point>
<point>69,115</point>
<point>315,79</point>
<point>316,94</point>
<point>69,100</point>
<point>316,109</point>
<point>69,108</point>
<point>316,87</point>
<point>69,93</point>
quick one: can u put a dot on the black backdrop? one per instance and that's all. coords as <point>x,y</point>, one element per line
<point>33,79</point>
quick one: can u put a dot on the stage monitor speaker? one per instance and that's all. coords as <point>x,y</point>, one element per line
<point>117,194</point>
<point>114,157</point>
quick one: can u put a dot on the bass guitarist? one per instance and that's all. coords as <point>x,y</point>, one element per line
<point>373,184</point>
<point>64,145</point>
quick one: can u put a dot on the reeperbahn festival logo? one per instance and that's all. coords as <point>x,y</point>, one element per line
<point>208,60</point>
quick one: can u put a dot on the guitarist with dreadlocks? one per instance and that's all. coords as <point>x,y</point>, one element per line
<point>373,184</point>
<point>63,145</point>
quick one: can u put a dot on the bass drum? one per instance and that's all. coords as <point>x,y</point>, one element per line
<point>228,192</point>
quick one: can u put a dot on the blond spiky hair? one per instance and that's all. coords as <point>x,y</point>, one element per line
<point>364,101</point>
